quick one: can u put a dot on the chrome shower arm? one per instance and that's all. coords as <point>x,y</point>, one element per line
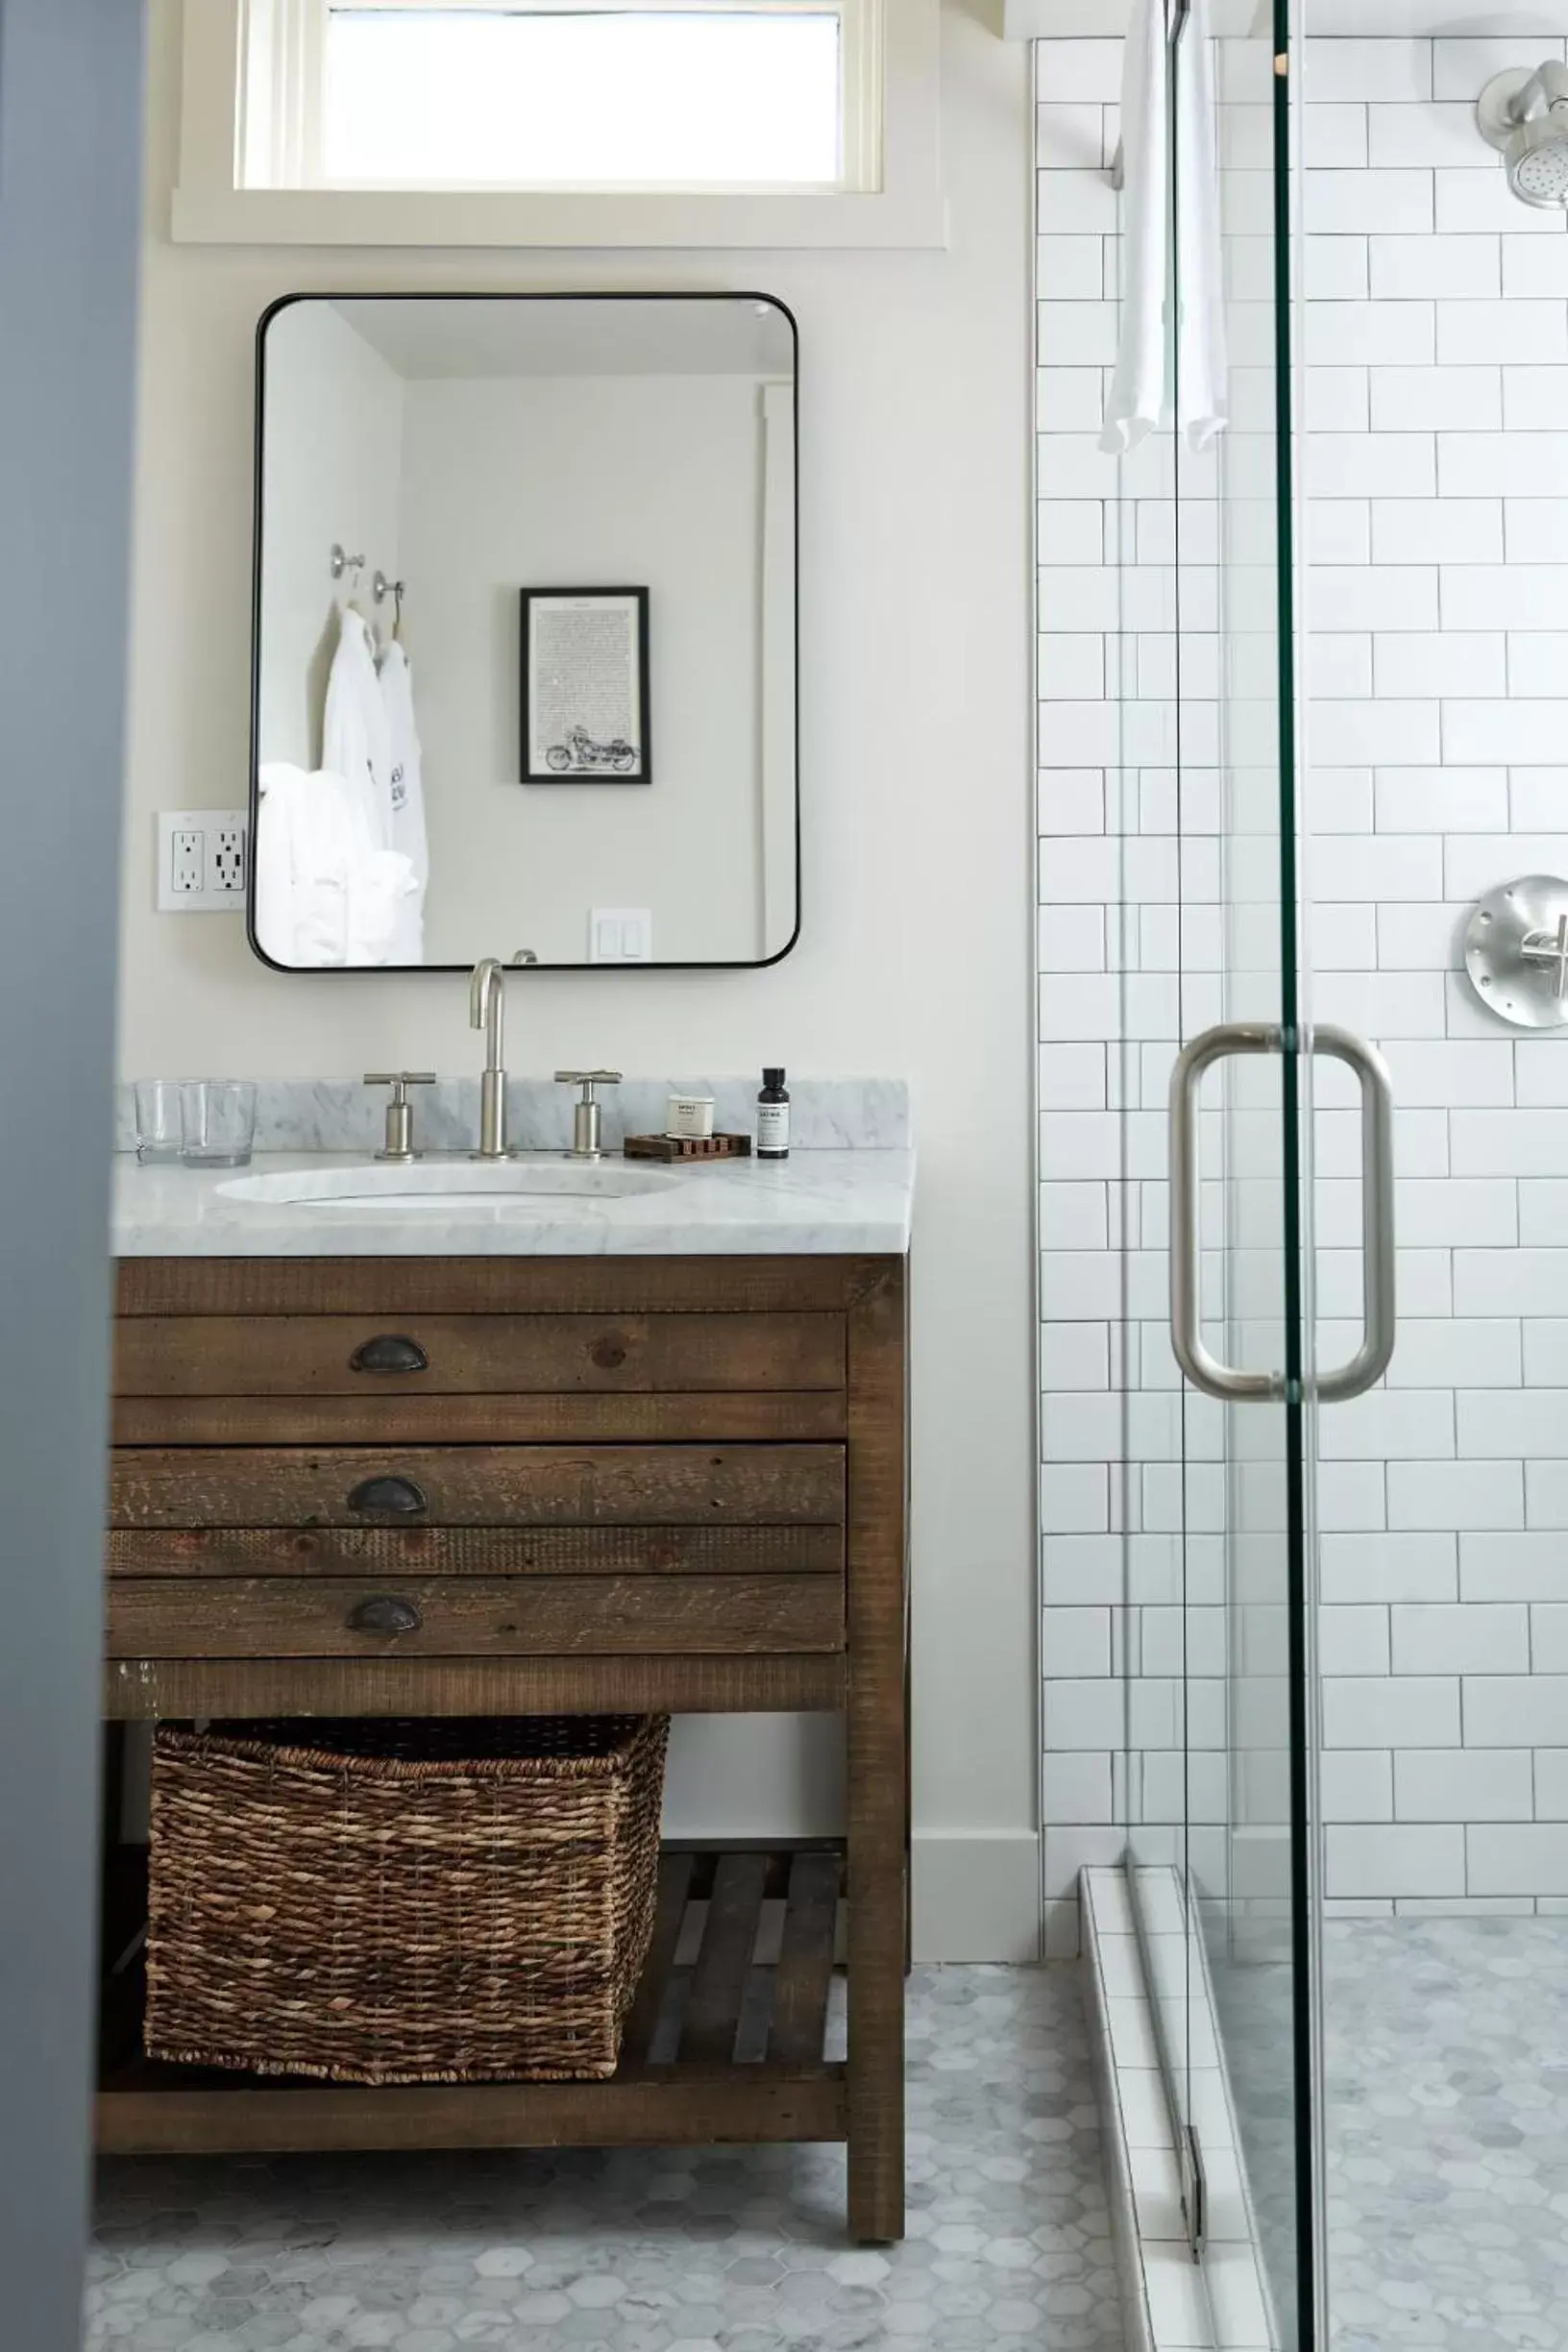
<point>1547,87</point>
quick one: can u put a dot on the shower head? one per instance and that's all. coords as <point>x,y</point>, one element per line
<point>1525,115</point>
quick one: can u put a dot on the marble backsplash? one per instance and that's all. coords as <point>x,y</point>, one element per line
<point>342,1115</point>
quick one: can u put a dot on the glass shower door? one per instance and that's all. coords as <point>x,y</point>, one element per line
<point>1236,1244</point>
<point>1242,1240</point>
<point>1219,1051</point>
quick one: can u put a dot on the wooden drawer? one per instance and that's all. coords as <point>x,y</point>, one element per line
<point>477,1616</point>
<point>419,1417</point>
<point>344,1487</point>
<point>426,1552</point>
<point>474,1355</point>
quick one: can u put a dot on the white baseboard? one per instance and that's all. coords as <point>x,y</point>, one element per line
<point>977,1895</point>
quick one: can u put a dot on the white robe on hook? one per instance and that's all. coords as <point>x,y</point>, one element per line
<point>406,788</point>
<point>356,741</point>
<point>1168,372</point>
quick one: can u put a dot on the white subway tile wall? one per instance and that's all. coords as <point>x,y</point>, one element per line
<point>1437,467</point>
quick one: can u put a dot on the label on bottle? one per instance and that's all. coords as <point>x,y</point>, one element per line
<point>773,1127</point>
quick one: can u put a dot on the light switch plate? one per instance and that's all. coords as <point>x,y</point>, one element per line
<point>203,861</point>
<point>621,935</point>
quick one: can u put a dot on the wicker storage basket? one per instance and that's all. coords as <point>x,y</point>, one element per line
<point>401,1902</point>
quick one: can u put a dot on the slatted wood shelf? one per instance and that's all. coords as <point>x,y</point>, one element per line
<point>727,2039</point>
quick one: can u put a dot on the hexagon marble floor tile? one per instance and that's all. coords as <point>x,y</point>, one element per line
<point>680,2250</point>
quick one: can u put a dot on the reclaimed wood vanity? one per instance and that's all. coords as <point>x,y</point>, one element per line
<point>477,1485</point>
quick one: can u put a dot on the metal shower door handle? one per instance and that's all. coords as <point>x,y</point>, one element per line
<point>1203,1370</point>
<point>1239,1038</point>
<point>1380,1313</point>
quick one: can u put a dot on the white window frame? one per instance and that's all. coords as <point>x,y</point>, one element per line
<point>251,86</point>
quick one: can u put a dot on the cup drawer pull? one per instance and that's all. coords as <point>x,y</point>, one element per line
<point>389,1494</point>
<point>389,1352</point>
<point>384,1614</point>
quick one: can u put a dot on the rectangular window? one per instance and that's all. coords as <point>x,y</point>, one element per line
<point>540,97</point>
<point>679,123</point>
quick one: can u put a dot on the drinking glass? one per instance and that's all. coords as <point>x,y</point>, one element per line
<point>218,1122</point>
<point>158,1129</point>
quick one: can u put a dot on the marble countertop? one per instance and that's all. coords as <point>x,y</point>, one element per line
<point>815,1204</point>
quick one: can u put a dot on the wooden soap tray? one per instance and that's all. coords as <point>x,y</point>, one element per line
<point>688,1147</point>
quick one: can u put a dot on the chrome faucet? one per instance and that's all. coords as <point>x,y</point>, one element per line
<point>487,1010</point>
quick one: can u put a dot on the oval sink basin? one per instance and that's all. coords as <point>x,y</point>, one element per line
<point>452,1183</point>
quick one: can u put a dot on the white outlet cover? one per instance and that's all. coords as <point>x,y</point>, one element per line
<point>203,861</point>
<point>621,935</point>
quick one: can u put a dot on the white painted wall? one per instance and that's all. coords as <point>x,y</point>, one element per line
<point>333,469</point>
<point>556,481</point>
<point>915,955</point>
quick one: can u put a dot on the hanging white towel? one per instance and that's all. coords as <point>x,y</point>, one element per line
<point>408,797</point>
<point>1203,397</point>
<point>1138,389</point>
<point>355,739</point>
<point>1160,374</point>
<point>325,893</point>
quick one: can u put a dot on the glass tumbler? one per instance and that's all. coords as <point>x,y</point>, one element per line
<point>218,1122</point>
<point>158,1129</point>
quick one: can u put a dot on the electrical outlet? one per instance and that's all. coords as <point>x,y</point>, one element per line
<point>226,862</point>
<point>202,856</point>
<point>185,877</point>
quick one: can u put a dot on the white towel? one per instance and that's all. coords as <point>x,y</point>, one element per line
<point>408,797</point>
<point>1203,401</point>
<point>325,893</point>
<point>1159,375</point>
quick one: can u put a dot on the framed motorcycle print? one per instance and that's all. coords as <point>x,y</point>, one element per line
<point>585,701</point>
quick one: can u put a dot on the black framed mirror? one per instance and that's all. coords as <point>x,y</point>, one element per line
<point>454,717</point>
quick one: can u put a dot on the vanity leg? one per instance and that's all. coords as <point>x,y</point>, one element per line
<point>876,1758</point>
<point>112,1804</point>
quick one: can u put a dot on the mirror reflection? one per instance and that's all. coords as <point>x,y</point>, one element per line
<point>524,632</point>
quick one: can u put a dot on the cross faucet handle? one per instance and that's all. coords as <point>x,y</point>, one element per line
<point>586,1129</point>
<point>1547,952</point>
<point>400,1113</point>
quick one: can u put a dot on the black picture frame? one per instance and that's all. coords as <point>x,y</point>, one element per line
<point>557,765</point>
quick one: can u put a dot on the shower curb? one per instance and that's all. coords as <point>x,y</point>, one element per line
<point>1170,2303</point>
<point>1137,2324</point>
